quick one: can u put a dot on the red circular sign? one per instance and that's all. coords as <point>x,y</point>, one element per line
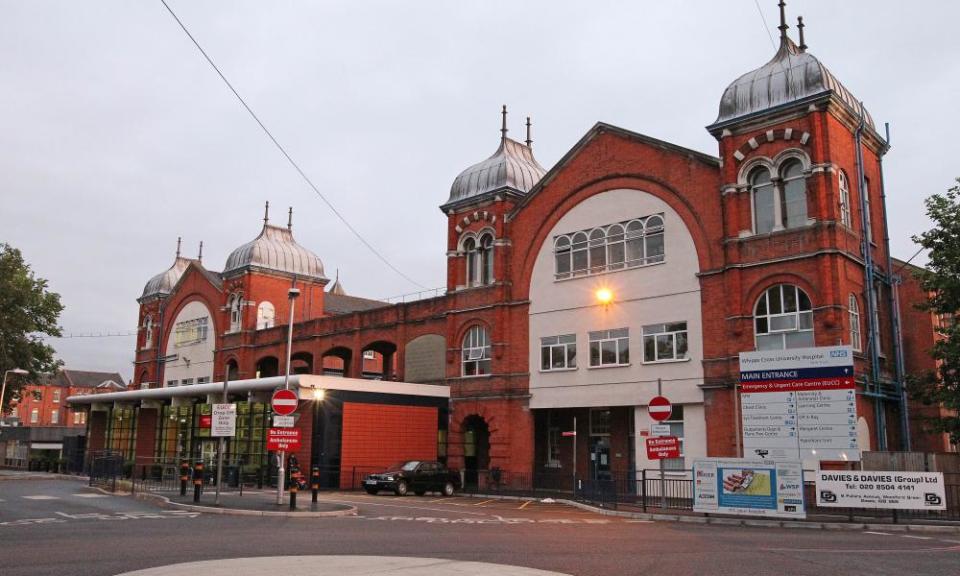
<point>659,408</point>
<point>284,402</point>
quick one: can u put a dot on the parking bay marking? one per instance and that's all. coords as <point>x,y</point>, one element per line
<point>64,517</point>
<point>90,495</point>
<point>498,520</point>
<point>41,497</point>
<point>484,502</point>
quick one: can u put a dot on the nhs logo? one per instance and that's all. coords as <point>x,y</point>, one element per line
<point>838,353</point>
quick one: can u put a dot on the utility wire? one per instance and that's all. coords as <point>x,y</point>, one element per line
<point>286,155</point>
<point>765,25</point>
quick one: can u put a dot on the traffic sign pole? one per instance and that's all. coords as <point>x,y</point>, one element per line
<point>663,481</point>
<point>222,444</point>
<point>292,293</point>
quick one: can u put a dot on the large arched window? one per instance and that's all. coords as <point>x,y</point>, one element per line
<point>476,352</point>
<point>653,239</point>
<point>266,315</point>
<point>470,249</point>
<point>764,201</point>
<point>783,318</point>
<point>794,197</point>
<point>148,331</point>
<point>580,259</point>
<point>844,198</point>
<point>486,259</point>
<point>561,247</point>
<point>235,304</point>
<point>598,251</point>
<point>854,310</point>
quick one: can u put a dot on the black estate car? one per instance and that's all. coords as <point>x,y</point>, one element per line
<point>417,476</point>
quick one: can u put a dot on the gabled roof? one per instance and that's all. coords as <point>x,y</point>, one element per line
<point>334,304</point>
<point>81,379</point>
<point>601,128</point>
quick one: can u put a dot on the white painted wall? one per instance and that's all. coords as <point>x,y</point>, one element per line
<point>193,361</point>
<point>665,292</point>
<point>694,434</point>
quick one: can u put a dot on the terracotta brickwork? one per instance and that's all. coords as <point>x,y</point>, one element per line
<point>376,436</point>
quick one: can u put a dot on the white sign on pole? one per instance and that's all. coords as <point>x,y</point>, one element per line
<point>799,404</point>
<point>659,429</point>
<point>224,421</point>
<point>868,489</point>
<point>748,487</point>
<point>283,421</point>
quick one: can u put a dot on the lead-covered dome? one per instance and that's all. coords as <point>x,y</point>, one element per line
<point>512,167</point>
<point>793,75</point>
<point>275,250</point>
<point>162,284</point>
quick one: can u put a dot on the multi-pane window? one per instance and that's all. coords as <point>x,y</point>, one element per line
<point>676,429</point>
<point>203,380</point>
<point>486,259</point>
<point>34,415</point>
<point>54,416</point>
<point>191,332</point>
<point>626,244</point>
<point>476,352</point>
<point>171,383</point>
<point>780,202</point>
<point>266,315</point>
<point>236,312</point>
<point>783,318</point>
<point>665,342</point>
<point>148,331</point>
<point>56,396</point>
<point>600,421</point>
<point>186,382</point>
<point>854,310</point>
<point>610,347</point>
<point>558,352</point>
<point>844,199</point>
<point>479,253</point>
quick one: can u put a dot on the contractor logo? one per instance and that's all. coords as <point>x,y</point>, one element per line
<point>931,499</point>
<point>828,497</point>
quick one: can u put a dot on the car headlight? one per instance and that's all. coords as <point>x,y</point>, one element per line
<point>389,478</point>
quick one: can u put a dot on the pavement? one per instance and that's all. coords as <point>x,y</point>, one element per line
<point>251,503</point>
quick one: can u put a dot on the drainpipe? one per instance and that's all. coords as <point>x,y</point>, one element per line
<point>893,282</point>
<point>865,234</point>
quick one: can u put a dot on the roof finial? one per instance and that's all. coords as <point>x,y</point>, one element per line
<point>290,218</point>
<point>200,253</point>
<point>503,127</point>
<point>803,44</point>
<point>179,240</point>
<point>266,213</point>
<point>783,20</point>
<point>529,140</point>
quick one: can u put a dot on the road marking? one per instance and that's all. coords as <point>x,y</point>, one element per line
<point>41,497</point>
<point>88,495</point>
<point>917,537</point>
<point>950,541</point>
<point>525,504</point>
<point>639,521</point>
<point>877,533</point>
<point>482,503</point>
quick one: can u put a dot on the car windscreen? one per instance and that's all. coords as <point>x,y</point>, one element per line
<point>410,466</point>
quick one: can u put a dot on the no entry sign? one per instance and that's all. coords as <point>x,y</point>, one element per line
<point>283,439</point>
<point>663,447</point>
<point>284,402</point>
<point>659,408</point>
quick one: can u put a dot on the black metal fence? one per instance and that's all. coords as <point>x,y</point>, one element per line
<point>105,468</point>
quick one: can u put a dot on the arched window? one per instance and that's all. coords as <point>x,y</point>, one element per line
<point>854,310</point>
<point>561,249</point>
<point>794,197</point>
<point>486,259</point>
<point>266,315</point>
<point>844,199</point>
<point>634,243</point>
<point>615,247</point>
<point>235,303</point>
<point>470,249</point>
<point>598,251</point>
<point>783,318</point>
<point>764,201</point>
<point>580,258</point>
<point>653,240</point>
<point>476,352</point>
<point>148,331</point>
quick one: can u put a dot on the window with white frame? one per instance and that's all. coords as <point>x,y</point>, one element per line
<point>665,342</point>
<point>854,310</point>
<point>186,382</point>
<point>369,354</point>
<point>190,332</point>
<point>203,380</point>
<point>783,318</point>
<point>476,352</point>
<point>148,331</point>
<point>610,347</point>
<point>56,396</point>
<point>779,201</point>
<point>54,416</point>
<point>486,259</point>
<point>266,315</point>
<point>558,352</point>
<point>34,415</point>
<point>235,304</point>
<point>676,429</point>
<point>171,383</point>
<point>479,255</point>
<point>626,244</point>
<point>844,198</point>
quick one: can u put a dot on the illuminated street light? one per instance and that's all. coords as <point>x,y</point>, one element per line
<point>604,296</point>
<point>319,394</point>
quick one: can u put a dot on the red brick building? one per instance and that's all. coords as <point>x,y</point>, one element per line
<point>780,241</point>
<point>44,403</point>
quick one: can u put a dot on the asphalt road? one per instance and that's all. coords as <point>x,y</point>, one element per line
<point>61,527</point>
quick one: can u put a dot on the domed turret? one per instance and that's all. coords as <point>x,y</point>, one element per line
<point>792,76</point>
<point>275,250</point>
<point>512,168</point>
<point>162,284</point>
<point>337,287</point>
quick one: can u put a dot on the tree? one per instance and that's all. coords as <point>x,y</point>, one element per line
<point>941,281</point>
<point>28,311</point>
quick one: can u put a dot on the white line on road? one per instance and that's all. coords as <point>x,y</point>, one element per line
<point>877,533</point>
<point>950,541</point>
<point>88,495</point>
<point>639,521</point>
<point>41,497</point>
<point>917,537</point>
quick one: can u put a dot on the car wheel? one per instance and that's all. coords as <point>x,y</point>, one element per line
<point>448,489</point>
<point>401,489</point>
<point>372,491</point>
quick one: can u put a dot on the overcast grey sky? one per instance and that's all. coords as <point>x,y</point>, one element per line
<point>117,136</point>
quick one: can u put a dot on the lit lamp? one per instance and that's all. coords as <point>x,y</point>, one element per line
<point>604,296</point>
<point>319,394</point>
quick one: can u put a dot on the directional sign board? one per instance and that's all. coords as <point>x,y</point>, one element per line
<point>284,402</point>
<point>283,421</point>
<point>224,421</point>
<point>659,429</point>
<point>283,439</point>
<point>799,404</point>
<point>663,447</point>
<point>659,408</point>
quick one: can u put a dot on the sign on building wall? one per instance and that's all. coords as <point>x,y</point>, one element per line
<point>868,489</point>
<point>799,404</point>
<point>748,487</point>
<point>224,421</point>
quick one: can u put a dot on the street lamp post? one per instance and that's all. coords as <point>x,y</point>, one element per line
<point>292,293</point>
<point>3,391</point>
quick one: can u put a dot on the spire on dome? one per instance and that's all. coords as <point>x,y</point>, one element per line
<point>800,27</point>
<point>179,241</point>
<point>266,213</point>
<point>200,253</point>
<point>783,21</point>
<point>337,287</point>
<point>290,218</point>
<point>529,140</point>
<point>503,125</point>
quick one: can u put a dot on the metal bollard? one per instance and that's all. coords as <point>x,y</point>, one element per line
<point>197,481</point>
<point>314,483</point>
<point>293,493</point>
<point>184,476</point>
